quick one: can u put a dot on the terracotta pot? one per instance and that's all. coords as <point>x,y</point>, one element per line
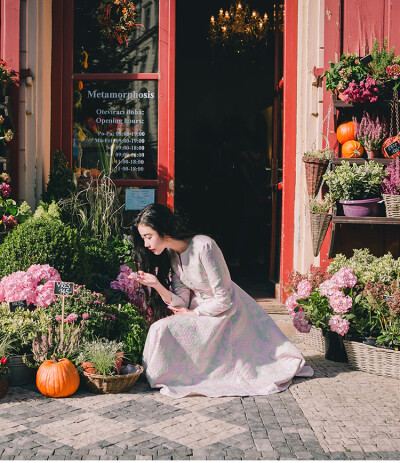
<point>89,368</point>
<point>118,363</point>
<point>372,154</point>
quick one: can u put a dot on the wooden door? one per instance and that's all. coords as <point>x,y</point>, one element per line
<point>113,100</point>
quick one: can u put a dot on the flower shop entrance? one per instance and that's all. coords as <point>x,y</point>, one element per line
<point>228,158</point>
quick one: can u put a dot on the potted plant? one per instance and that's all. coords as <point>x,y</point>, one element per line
<point>106,356</point>
<point>320,219</point>
<point>370,132</point>
<point>356,187</point>
<point>349,69</point>
<point>5,349</point>
<point>391,189</point>
<point>316,162</point>
<point>385,68</point>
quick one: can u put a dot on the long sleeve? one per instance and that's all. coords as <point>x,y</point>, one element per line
<point>219,280</point>
<point>180,293</point>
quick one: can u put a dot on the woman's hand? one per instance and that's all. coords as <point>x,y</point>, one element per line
<point>147,279</point>
<point>181,310</point>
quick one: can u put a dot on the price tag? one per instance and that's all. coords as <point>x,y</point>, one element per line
<point>62,288</point>
<point>392,149</point>
<point>17,305</point>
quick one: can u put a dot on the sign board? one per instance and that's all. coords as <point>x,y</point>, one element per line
<point>62,288</point>
<point>393,148</point>
<point>136,200</point>
<point>17,305</point>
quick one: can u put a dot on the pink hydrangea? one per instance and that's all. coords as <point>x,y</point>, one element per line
<point>58,318</point>
<point>128,286</point>
<point>328,287</point>
<point>339,325</point>
<point>300,322</point>
<point>44,272</point>
<point>291,303</point>
<point>340,303</point>
<point>304,289</point>
<point>344,278</point>
<point>45,294</point>
<point>72,317</point>
<point>85,316</point>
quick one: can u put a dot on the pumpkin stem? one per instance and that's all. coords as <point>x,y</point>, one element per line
<point>54,359</point>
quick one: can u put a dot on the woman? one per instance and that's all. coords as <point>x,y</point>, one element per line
<point>218,341</point>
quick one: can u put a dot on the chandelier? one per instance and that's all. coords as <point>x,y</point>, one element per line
<point>238,28</point>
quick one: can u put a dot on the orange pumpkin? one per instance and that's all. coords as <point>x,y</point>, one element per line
<point>345,132</point>
<point>391,147</point>
<point>95,173</point>
<point>352,149</point>
<point>57,378</point>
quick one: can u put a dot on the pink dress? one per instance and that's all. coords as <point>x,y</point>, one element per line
<point>232,348</point>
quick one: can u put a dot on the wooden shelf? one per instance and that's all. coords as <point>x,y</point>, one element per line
<point>338,161</point>
<point>380,103</point>
<point>366,220</point>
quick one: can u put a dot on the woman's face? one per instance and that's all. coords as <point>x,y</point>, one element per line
<point>152,240</point>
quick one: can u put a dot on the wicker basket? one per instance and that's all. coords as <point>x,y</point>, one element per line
<point>392,204</point>
<point>371,359</point>
<point>315,169</point>
<point>3,387</point>
<point>314,338</point>
<point>319,225</point>
<point>111,384</point>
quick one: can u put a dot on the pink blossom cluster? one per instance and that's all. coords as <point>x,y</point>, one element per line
<point>391,183</point>
<point>344,278</point>
<point>4,176</point>
<point>364,91</point>
<point>291,303</point>
<point>35,286</point>
<point>339,325</point>
<point>371,131</point>
<point>128,286</point>
<point>304,289</point>
<point>5,189</point>
<point>300,322</point>
<point>340,303</point>
<point>393,71</point>
<point>9,222</point>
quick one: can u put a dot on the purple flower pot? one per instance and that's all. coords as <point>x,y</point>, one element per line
<point>361,207</point>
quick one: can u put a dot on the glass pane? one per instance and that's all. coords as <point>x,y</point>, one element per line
<point>96,53</point>
<point>115,128</point>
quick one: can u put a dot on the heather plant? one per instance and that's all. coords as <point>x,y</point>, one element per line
<point>102,353</point>
<point>391,183</point>
<point>363,91</point>
<point>327,306</point>
<point>352,181</point>
<point>371,131</point>
<point>321,205</point>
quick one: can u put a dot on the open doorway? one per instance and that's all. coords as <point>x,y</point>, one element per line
<point>225,125</point>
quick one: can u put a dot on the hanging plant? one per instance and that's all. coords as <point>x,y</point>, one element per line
<point>117,19</point>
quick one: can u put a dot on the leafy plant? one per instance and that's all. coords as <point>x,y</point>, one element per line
<point>351,181</point>
<point>48,211</point>
<point>102,353</point>
<point>22,326</point>
<point>5,350</point>
<point>322,153</point>
<point>391,184</point>
<point>43,241</point>
<point>381,58</point>
<point>7,76</point>
<point>321,205</point>
<point>340,74</point>
<point>61,180</point>
<point>131,330</point>
<point>370,132</point>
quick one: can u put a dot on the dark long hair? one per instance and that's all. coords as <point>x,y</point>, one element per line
<point>161,219</point>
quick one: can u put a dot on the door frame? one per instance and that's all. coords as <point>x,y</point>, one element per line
<point>62,93</point>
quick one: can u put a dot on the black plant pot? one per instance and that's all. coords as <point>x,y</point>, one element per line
<point>335,349</point>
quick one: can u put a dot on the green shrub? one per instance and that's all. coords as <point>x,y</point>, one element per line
<point>44,241</point>
<point>131,329</point>
<point>61,181</point>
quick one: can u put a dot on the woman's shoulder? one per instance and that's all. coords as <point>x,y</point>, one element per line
<point>201,242</point>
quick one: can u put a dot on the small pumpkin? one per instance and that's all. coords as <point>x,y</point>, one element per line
<point>345,132</point>
<point>57,378</point>
<point>95,173</point>
<point>352,149</point>
<point>391,147</point>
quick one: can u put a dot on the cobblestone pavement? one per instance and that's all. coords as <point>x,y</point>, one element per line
<point>338,414</point>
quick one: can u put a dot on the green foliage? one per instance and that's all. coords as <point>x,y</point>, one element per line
<point>22,326</point>
<point>61,181</point>
<point>43,241</point>
<point>102,353</point>
<point>324,205</point>
<point>340,74</point>
<point>381,59</point>
<point>368,267</point>
<point>351,181</point>
<point>91,310</point>
<point>45,210</point>
<point>131,329</point>
<point>323,153</point>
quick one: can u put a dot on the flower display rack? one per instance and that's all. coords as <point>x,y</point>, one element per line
<point>315,339</point>
<point>371,359</point>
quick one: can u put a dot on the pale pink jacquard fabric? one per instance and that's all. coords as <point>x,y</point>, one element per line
<point>232,348</point>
